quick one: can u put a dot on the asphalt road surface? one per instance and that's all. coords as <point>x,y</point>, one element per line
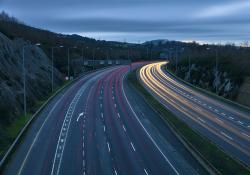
<point>99,125</point>
<point>224,124</point>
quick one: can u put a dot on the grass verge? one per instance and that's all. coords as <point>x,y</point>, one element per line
<point>11,131</point>
<point>221,161</point>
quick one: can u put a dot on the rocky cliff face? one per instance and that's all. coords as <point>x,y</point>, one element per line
<point>38,77</point>
<point>206,78</point>
<point>243,96</point>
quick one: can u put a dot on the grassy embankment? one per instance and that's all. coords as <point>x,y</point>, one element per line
<point>212,153</point>
<point>12,130</point>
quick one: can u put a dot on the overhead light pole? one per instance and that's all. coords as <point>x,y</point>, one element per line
<point>52,66</point>
<point>69,59</point>
<point>93,57</point>
<point>216,68</point>
<point>24,79</point>
<point>176,57</point>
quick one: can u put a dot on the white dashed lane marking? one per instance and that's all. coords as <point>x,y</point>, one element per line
<point>124,128</point>
<point>132,145</point>
<point>224,134</point>
<point>108,146</point>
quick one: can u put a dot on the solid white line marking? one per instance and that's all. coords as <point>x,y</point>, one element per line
<point>108,146</point>
<point>147,131</point>
<point>226,135</point>
<point>81,114</point>
<point>145,171</point>
<point>124,128</point>
<point>104,128</point>
<point>118,115</point>
<point>132,145</point>
<point>102,115</point>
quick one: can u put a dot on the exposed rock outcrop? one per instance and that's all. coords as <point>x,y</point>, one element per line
<point>206,78</point>
<point>244,92</point>
<point>38,76</point>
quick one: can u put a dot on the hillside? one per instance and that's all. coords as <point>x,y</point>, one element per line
<point>233,68</point>
<point>14,29</point>
<point>38,81</point>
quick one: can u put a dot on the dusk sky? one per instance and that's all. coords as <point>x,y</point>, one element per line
<point>138,20</point>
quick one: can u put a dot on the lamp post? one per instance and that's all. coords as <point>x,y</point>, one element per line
<point>69,58</point>
<point>83,58</point>
<point>52,66</point>
<point>216,68</point>
<point>176,57</point>
<point>94,57</point>
<point>24,79</point>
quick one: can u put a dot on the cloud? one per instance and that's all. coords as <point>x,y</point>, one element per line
<point>138,19</point>
<point>225,9</point>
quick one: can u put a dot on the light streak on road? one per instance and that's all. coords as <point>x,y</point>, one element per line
<point>197,108</point>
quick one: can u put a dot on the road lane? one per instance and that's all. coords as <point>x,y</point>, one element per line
<point>211,117</point>
<point>92,129</point>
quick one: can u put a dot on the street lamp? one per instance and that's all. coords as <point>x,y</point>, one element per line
<point>216,68</point>
<point>176,57</point>
<point>52,66</point>
<point>83,58</point>
<point>24,80</point>
<point>69,57</point>
<point>94,57</point>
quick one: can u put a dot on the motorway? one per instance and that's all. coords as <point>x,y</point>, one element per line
<point>224,124</point>
<point>100,125</point>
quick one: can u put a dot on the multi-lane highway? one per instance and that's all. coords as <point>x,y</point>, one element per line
<point>224,124</point>
<point>99,125</point>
